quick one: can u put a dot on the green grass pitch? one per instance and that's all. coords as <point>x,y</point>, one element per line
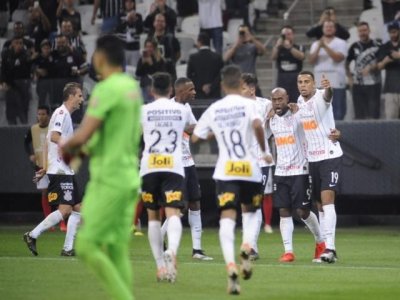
<point>368,268</point>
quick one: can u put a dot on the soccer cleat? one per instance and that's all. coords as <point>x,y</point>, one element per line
<point>268,229</point>
<point>68,252</point>
<point>287,257</point>
<point>253,256</point>
<point>233,279</point>
<point>161,274</point>
<point>329,256</point>
<point>31,243</point>
<point>170,265</point>
<point>199,254</point>
<point>319,249</point>
<point>245,264</point>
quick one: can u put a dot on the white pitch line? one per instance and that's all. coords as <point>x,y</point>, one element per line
<point>256,265</point>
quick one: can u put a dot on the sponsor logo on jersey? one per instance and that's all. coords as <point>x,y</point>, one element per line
<point>238,168</point>
<point>173,196</point>
<point>310,125</point>
<point>285,140</point>
<point>160,161</point>
<point>52,197</point>
<point>224,198</point>
<point>147,197</point>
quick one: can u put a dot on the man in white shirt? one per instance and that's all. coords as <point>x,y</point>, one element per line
<point>291,181</point>
<point>328,57</point>
<point>161,169</point>
<point>264,106</point>
<point>323,154</point>
<point>210,14</point>
<point>236,125</point>
<point>62,190</point>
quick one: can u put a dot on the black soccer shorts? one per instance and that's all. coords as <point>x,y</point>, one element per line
<point>325,175</point>
<point>292,192</point>
<point>62,189</point>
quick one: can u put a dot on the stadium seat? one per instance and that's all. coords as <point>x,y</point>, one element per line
<point>86,12</point>
<point>20,15</point>
<point>353,36</point>
<point>233,28</point>
<point>191,25</point>
<point>141,8</point>
<point>143,38</point>
<point>2,41</point>
<point>187,46</point>
<point>90,45</point>
<point>181,70</point>
<point>131,70</point>
<point>227,41</point>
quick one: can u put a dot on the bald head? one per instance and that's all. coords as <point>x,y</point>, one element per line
<point>280,100</point>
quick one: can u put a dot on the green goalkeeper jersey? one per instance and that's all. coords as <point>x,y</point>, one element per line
<point>114,147</point>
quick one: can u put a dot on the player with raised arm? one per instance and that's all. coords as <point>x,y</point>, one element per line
<point>111,131</point>
<point>62,189</point>
<point>162,172</point>
<point>264,106</point>
<point>291,181</point>
<point>236,125</point>
<point>323,153</point>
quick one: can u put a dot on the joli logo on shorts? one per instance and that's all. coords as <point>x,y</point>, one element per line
<point>161,161</point>
<point>238,168</point>
<point>173,196</point>
<point>225,198</point>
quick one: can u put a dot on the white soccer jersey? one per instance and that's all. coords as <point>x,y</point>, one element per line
<point>230,119</point>
<point>263,107</point>
<point>316,116</point>
<point>163,123</point>
<point>60,122</point>
<point>187,158</point>
<point>290,145</point>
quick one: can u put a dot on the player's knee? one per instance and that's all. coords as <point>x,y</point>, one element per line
<point>303,213</point>
<point>285,212</point>
<point>194,206</point>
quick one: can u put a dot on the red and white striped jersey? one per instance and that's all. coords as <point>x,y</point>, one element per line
<point>290,145</point>
<point>316,116</point>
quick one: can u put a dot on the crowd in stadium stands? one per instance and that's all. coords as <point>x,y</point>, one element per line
<point>47,49</point>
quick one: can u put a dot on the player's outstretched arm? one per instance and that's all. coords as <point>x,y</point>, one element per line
<point>326,84</point>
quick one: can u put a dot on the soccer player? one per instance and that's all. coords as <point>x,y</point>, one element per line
<point>111,129</point>
<point>291,182</point>
<point>323,153</point>
<point>264,106</point>
<point>236,125</point>
<point>185,93</point>
<point>62,190</point>
<point>161,169</point>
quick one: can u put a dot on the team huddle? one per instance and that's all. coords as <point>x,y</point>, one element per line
<point>307,168</point>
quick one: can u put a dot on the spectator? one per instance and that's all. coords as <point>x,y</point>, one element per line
<point>245,51</point>
<point>39,27</point>
<point>238,8</point>
<point>49,8</point>
<point>289,62</point>
<point>3,18</point>
<point>19,32</point>
<point>16,74</point>
<point>328,57</point>
<point>129,32</point>
<point>210,14</point>
<point>69,66</point>
<point>206,80</point>
<point>66,11</point>
<point>151,62</point>
<point>161,7</point>
<point>75,40</point>
<point>329,14</point>
<point>366,79</point>
<point>110,12</point>
<point>186,8</point>
<point>390,8</point>
<point>389,59</point>
<point>43,71</point>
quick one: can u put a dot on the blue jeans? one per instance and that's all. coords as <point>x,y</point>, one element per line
<point>216,36</point>
<point>109,24</point>
<point>339,103</point>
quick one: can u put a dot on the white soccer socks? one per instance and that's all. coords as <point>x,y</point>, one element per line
<point>156,242</point>
<point>321,217</point>
<point>51,220</point>
<point>194,218</point>
<point>72,227</point>
<point>250,222</point>
<point>254,244</point>
<point>227,239</point>
<point>286,227</point>
<point>174,232</point>
<point>313,225</point>
<point>329,225</point>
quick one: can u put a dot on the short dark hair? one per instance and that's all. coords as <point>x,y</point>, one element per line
<point>113,49</point>
<point>44,107</point>
<point>70,89</point>
<point>161,83</point>
<point>307,73</point>
<point>330,8</point>
<point>181,81</point>
<point>19,23</point>
<point>288,27</point>
<point>231,76</point>
<point>249,79</point>
<point>204,39</point>
<point>362,23</point>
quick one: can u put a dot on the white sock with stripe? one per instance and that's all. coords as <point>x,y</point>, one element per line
<point>156,243</point>
<point>227,239</point>
<point>313,225</point>
<point>72,227</point>
<point>287,227</point>
<point>51,220</point>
